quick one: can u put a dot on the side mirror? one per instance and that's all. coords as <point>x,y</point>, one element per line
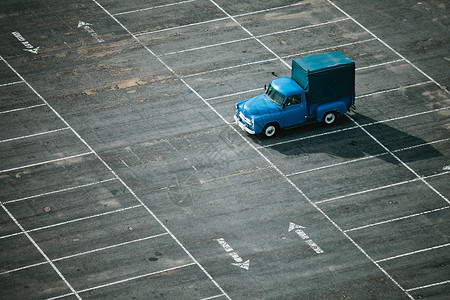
<point>265,87</point>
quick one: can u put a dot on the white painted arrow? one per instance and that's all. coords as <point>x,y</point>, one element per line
<point>90,30</point>
<point>81,23</point>
<point>304,236</point>
<point>34,50</point>
<point>239,262</point>
<point>244,265</point>
<point>293,226</point>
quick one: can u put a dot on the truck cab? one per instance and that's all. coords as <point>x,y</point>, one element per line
<point>320,89</point>
<point>282,105</point>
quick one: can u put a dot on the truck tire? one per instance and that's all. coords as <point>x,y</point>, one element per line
<point>270,130</point>
<point>329,118</point>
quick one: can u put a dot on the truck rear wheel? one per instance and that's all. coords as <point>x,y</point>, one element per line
<point>329,118</point>
<point>270,130</point>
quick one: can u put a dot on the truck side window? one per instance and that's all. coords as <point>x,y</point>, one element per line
<point>293,100</point>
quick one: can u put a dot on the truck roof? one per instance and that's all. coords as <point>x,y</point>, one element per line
<point>287,86</point>
<point>323,62</point>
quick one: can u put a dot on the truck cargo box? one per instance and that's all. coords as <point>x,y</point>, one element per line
<point>325,77</point>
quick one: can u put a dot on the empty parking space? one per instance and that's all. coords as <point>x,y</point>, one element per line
<point>331,35</point>
<point>404,236</point>
<point>414,100</point>
<point>411,131</point>
<point>24,284</point>
<point>428,160</point>
<point>303,156</point>
<point>8,76</point>
<point>441,183</point>
<point>96,232</point>
<point>57,207</point>
<point>171,284</point>
<point>241,7</point>
<point>39,119</point>
<point>18,252</point>
<point>420,269</point>
<point>187,39</point>
<point>351,178</point>
<point>287,17</point>
<point>239,79</point>
<point>17,95</point>
<point>51,177</point>
<point>34,150</point>
<point>222,56</point>
<point>144,21</point>
<point>386,77</point>
<point>385,204</point>
<point>148,256</point>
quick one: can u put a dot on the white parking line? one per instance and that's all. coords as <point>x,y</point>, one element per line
<point>249,38</point>
<point>59,191</point>
<point>428,285</point>
<point>86,218</point>
<point>33,135</point>
<point>381,64</point>
<point>230,67</point>
<point>10,83</point>
<point>45,162</point>
<point>22,108</point>
<point>110,247</point>
<point>397,219</point>
<point>213,297</point>
<point>366,157</point>
<point>413,252</point>
<point>217,20</point>
<point>24,268</point>
<point>47,259</point>
<point>379,188</point>
<point>235,94</point>
<point>394,89</point>
<point>328,48</point>
<point>178,27</point>
<point>153,7</point>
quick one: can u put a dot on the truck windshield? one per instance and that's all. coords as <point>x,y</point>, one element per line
<point>274,95</point>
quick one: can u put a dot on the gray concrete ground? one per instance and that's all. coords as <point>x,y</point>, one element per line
<point>122,175</point>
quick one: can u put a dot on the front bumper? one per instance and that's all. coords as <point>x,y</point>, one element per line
<point>243,126</point>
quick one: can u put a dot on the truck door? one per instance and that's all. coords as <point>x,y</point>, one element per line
<point>294,111</point>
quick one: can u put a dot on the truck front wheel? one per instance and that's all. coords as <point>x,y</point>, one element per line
<point>329,118</point>
<point>270,130</point>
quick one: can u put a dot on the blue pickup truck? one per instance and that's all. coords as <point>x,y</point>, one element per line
<point>321,88</point>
